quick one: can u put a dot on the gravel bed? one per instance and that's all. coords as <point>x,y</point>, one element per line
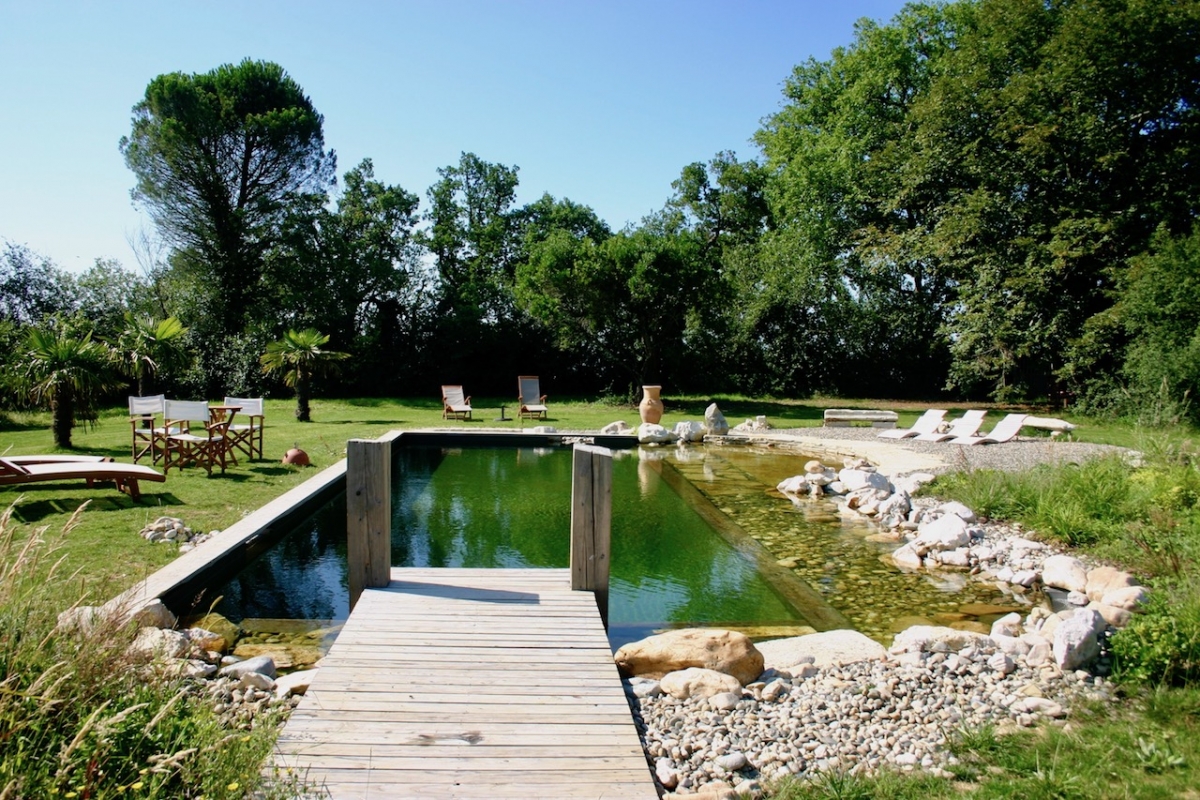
<point>1020,454</point>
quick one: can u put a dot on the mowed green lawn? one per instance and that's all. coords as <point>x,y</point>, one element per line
<point>109,557</point>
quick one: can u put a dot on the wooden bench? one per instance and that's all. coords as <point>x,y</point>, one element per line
<point>844,417</point>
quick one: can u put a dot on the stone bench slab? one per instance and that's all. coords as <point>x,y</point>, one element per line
<point>844,417</point>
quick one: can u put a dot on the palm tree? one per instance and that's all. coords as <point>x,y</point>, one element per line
<point>66,372</point>
<point>298,355</point>
<point>145,345</point>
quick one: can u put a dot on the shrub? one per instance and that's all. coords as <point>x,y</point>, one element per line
<point>1161,646</point>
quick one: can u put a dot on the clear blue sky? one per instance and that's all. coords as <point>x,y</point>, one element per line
<point>602,102</point>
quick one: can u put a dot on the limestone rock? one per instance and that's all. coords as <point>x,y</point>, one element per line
<point>1113,615</point>
<point>725,701</point>
<point>161,643</point>
<point>947,532</point>
<point>906,557</point>
<point>855,479</point>
<point>207,640</point>
<point>698,682</point>
<point>256,680</point>
<point>80,618</point>
<point>933,638</point>
<point>797,484</point>
<point>154,614</point>
<point>262,664</point>
<point>294,682</point>
<point>1008,625</point>
<point>666,774</point>
<point>1065,572</point>
<point>688,431</point>
<point>957,509</point>
<point>284,655</point>
<point>825,649</point>
<point>618,427</point>
<point>724,651</point>
<point>1129,598</point>
<point>1076,639</point>
<point>1102,580</point>
<point>714,421</point>
<point>650,433</point>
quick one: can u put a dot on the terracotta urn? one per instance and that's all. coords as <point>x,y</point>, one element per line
<point>297,457</point>
<point>651,407</point>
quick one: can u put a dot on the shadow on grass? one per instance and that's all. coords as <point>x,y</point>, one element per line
<point>360,422</point>
<point>36,510</point>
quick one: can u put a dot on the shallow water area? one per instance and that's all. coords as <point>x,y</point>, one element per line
<point>700,537</point>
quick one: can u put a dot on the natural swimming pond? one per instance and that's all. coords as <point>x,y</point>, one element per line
<point>699,537</point>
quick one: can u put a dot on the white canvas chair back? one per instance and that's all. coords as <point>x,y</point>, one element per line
<point>531,393</point>
<point>454,396</point>
<point>251,406</point>
<point>247,436</point>
<point>146,437</point>
<point>186,411</point>
<point>146,406</point>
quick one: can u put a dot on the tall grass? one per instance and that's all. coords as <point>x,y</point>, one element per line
<point>1145,517</point>
<point>82,718</point>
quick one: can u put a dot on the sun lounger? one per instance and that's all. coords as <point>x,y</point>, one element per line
<point>531,402</point>
<point>966,425</point>
<point>926,423</point>
<point>454,404</point>
<point>58,459</point>
<point>125,476</point>
<point>1005,431</point>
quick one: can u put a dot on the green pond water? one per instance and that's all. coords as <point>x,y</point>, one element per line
<point>699,537</point>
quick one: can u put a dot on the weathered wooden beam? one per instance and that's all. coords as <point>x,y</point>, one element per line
<point>591,522</point>
<point>368,514</point>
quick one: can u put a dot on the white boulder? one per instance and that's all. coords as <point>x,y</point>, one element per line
<point>825,649</point>
<point>689,431</point>
<point>650,433</point>
<point>947,532</point>
<point>1065,572</point>
<point>714,421</point>
<point>1076,639</point>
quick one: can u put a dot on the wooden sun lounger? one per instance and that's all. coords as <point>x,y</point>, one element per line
<point>58,459</point>
<point>125,476</point>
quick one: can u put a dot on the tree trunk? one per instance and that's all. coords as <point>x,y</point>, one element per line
<point>303,412</point>
<point>62,413</point>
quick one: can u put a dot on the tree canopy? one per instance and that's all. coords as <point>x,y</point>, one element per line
<point>219,157</point>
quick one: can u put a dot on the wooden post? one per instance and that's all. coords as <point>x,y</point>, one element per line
<point>368,515</point>
<point>591,522</point>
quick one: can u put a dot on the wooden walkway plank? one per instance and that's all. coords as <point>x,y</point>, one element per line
<point>468,683</point>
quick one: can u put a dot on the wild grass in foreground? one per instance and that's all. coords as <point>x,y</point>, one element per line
<point>81,718</point>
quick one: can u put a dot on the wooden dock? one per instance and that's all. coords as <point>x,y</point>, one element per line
<point>469,683</point>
